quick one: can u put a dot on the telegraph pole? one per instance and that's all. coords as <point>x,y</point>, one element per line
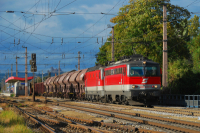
<point>79,60</point>
<point>11,70</point>
<point>59,69</point>
<point>26,82</point>
<point>42,76</point>
<point>33,98</point>
<point>165,60</point>
<point>16,67</point>
<point>113,58</point>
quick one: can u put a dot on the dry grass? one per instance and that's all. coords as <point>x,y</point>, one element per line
<point>10,122</point>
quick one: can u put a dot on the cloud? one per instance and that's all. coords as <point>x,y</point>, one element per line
<point>74,25</point>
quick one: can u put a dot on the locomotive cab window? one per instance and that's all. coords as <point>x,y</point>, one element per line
<point>137,71</point>
<point>151,71</point>
<point>143,71</point>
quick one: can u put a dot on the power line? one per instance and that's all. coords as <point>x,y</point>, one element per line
<point>191,3</point>
<point>20,18</point>
<point>63,13</point>
<point>65,5</point>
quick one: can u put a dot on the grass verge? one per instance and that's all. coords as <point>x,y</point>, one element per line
<point>10,122</point>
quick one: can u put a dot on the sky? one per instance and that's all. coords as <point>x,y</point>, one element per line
<point>56,30</point>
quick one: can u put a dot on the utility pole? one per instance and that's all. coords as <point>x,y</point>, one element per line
<point>26,81</point>
<point>42,76</point>
<point>113,58</point>
<point>79,60</point>
<point>8,73</point>
<point>33,89</point>
<point>59,69</point>
<point>11,70</point>
<point>16,67</point>
<point>165,60</point>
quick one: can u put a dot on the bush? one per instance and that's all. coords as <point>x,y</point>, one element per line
<point>182,79</point>
<point>12,95</point>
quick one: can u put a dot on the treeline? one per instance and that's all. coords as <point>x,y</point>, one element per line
<point>138,29</point>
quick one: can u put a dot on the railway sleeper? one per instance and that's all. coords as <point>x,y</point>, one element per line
<point>46,128</point>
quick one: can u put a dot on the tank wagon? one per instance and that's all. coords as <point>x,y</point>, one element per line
<point>133,80</point>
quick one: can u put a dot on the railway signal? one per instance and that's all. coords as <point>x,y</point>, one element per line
<point>33,63</point>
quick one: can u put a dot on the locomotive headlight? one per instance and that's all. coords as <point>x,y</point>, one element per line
<point>144,62</point>
<point>134,86</point>
<point>156,86</point>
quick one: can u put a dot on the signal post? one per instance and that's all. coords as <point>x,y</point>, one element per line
<point>33,69</point>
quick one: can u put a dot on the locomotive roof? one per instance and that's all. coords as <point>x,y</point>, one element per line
<point>94,68</point>
<point>136,60</point>
<point>135,63</point>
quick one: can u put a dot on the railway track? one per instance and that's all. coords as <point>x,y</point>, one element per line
<point>51,122</point>
<point>171,124</point>
<point>146,116</point>
<point>187,112</point>
<point>165,123</point>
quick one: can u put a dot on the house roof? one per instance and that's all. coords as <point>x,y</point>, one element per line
<point>15,79</point>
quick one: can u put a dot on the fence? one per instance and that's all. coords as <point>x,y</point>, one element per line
<point>192,101</point>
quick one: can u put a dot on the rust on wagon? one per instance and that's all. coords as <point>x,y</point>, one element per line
<point>56,84</point>
<point>45,84</point>
<point>66,81</point>
<point>60,82</point>
<point>48,84</point>
<point>80,79</point>
<point>74,90</point>
<point>51,84</point>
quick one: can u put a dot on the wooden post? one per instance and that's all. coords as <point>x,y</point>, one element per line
<point>165,60</point>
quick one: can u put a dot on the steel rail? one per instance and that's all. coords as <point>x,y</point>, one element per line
<point>78,125</point>
<point>124,128</point>
<point>135,120</point>
<point>49,129</point>
<point>146,116</point>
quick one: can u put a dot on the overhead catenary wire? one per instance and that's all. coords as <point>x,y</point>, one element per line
<point>21,17</point>
<point>70,42</point>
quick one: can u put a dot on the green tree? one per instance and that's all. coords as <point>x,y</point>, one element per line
<point>193,27</point>
<point>38,80</point>
<point>194,47</point>
<point>45,77</point>
<point>103,57</point>
<point>182,80</point>
<point>139,30</point>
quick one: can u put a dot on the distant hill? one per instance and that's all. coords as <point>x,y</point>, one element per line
<point>54,70</point>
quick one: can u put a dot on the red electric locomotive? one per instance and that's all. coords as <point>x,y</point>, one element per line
<point>135,80</point>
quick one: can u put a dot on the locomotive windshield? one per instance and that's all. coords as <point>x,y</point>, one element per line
<point>144,71</point>
<point>137,71</point>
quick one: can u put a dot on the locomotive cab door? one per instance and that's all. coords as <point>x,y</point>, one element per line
<point>123,72</point>
<point>96,82</point>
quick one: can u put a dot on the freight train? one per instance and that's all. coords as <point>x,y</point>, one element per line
<point>133,80</point>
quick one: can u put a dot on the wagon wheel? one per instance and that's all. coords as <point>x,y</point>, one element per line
<point>110,101</point>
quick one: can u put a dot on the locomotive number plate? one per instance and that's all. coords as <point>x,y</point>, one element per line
<point>147,87</point>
